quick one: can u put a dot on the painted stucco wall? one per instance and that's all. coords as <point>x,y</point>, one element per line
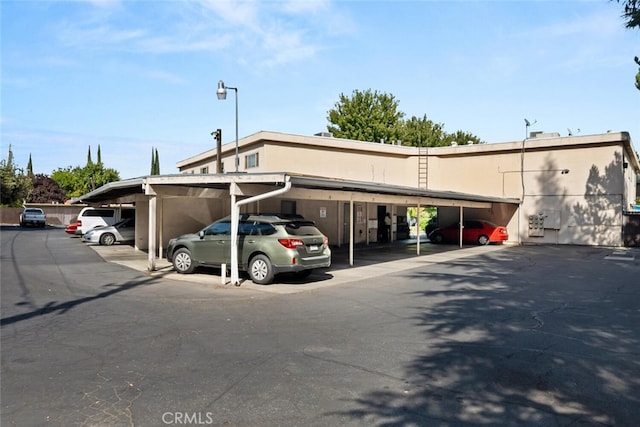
<point>579,185</point>
<point>578,190</point>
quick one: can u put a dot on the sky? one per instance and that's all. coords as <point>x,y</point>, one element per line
<point>134,76</point>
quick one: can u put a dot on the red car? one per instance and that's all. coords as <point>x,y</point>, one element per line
<point>477,231</point>
<point>72,228</point>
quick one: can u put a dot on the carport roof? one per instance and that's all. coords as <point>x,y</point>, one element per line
<point>143,186</point>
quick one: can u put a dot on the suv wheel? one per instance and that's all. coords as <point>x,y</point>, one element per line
<point>182,261</point>
<point>260,270</point>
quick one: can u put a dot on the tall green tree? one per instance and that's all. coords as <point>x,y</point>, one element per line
<point>462,138</point>
<point>30,167</point>
<point>14,184</point>
<point>366,116</point>
<point>68,180</point>
<point>422,132</point>
<point>76,181</point>
<point>155,162</point>
<point>374,117</point>
<point>9,157</point>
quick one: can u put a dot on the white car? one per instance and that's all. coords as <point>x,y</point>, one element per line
<point>123,231</point>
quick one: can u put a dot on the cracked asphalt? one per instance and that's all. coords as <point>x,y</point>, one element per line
<point>524,335</point>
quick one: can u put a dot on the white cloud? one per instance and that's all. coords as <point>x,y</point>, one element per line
<point>262,33</point>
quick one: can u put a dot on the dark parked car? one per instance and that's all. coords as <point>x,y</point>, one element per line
<point>476,231</point>
<point>267,245</point>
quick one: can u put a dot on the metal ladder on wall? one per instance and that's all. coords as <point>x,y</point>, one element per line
<point>423,167</point>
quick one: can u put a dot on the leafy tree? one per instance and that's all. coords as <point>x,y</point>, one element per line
<point>631,13</point>
<point>68,180</point>
<point>14,184</point>
<point>76,181</point>
<point>422,133</point>
<point>461,138</point>
<point>45,190</point>
<point>632,17</point>
<point>94,176</point>
<point>372,116</point>
<point>366,116</point>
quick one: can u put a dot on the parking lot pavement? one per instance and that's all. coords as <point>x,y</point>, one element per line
<point>371,261</point>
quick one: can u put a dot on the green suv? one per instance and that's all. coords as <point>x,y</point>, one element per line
<point>267,245</point>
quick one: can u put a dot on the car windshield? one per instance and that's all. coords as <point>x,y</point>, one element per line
<point>127,222</point>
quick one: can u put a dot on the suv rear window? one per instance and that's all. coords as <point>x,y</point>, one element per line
<point>299,228</point>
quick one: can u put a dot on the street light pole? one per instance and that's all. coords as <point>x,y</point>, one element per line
<point>222,94</point>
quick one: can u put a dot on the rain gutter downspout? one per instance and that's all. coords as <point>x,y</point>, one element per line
<point>235,219</point>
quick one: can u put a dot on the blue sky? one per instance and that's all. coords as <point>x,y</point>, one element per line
<point>131,76</point>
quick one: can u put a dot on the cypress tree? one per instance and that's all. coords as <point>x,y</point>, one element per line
<point>10,157</point>
<point>157,163</point>
<point>30,167</point>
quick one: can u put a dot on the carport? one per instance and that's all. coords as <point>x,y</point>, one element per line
<point>240,189</point>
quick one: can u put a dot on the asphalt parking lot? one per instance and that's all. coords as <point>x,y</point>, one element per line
<point>483,336</point>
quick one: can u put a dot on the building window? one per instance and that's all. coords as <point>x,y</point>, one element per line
<point>204,169</point>
<point>251,161</point>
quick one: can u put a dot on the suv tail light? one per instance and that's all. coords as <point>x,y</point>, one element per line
<point>291,243</point>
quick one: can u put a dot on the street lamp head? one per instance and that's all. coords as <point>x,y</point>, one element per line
<point>222,91</point>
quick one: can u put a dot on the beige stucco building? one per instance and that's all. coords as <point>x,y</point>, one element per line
<point>572,190</point>
<point>545,189</point>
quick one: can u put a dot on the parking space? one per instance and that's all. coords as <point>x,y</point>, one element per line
<point>371,261</point>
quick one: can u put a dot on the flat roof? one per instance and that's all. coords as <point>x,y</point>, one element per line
<point>147,185</point>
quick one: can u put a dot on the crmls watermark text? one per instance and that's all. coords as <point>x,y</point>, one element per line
<point>187,418</point>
